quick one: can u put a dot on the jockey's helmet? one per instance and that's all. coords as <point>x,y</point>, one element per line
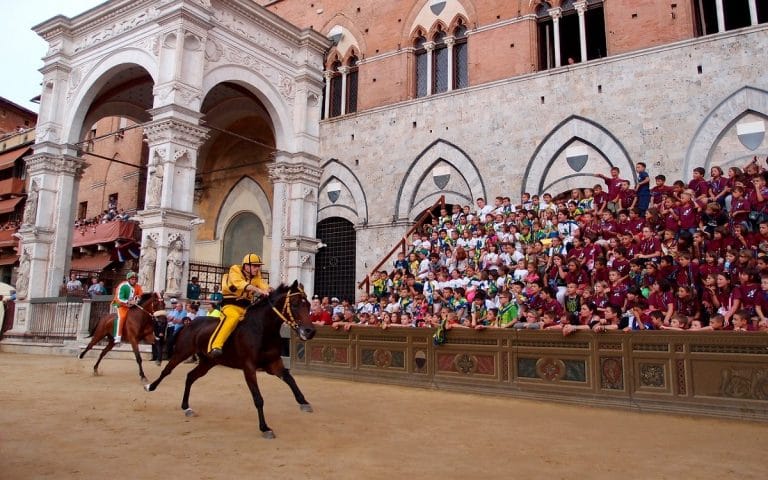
<point>130,275</point>
<point>253,259</point>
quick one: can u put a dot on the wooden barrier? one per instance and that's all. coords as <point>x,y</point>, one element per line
<point>715,374</point>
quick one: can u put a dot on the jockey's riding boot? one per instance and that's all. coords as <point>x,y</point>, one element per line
<point>117,340</point>
<point>215,353</point>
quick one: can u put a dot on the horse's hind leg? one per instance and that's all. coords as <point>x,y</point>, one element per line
<point>200,370</point>
<point>250,378</point>
<point>90,345</point>
<point>106,350</point>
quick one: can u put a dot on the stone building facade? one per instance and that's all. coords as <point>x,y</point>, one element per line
<point>250,112</point>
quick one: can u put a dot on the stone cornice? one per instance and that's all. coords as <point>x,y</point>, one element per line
<point>292,173</point>
<point>55,164</point>
<point>175,130</point>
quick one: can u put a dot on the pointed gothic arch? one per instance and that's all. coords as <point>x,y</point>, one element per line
<point>411,201</point>
<point>556,141</point>
<point>355,211</point>
<point>719,120</point>
<point>246,196</point>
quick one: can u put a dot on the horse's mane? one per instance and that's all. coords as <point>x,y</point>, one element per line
<point>146,296</point>
<point>272,297</point>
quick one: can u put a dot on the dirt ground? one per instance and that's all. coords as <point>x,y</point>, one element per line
<point>57,421</point>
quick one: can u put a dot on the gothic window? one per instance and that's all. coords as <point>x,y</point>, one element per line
<point>335,106</point>
<point>335,264</point>
<point>564,36</point>
<point>546,36</point>
<point>421,66</point>
<point>352,85</point>
<point>439,64</point>
<point>460,69</point>
<point>736,14</point>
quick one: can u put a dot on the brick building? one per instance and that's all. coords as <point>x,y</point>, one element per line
<point>321,153</point>
<point>15,118</point>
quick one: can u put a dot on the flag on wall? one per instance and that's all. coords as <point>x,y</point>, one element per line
<point>126,250</point>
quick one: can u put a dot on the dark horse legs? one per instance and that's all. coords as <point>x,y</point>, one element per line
<point>303,403</point>
<point>249,372</point>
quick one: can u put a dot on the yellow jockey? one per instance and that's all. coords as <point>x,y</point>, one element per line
<point>239,287</point>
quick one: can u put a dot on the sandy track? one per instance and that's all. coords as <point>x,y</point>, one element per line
<point>57,421</point>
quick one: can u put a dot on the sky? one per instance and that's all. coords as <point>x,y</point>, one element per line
<point>21,50</point>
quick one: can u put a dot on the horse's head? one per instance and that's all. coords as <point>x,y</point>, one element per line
<point>292,306</point>
<point>152,302</point>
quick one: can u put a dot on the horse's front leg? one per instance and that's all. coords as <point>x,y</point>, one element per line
<point>135,346</point>
<point>278,369</point>
<point>249,371</point>
<point>200,370</point>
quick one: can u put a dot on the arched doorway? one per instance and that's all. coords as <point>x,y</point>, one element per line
<point>335,263</point>
<point>244,234</point>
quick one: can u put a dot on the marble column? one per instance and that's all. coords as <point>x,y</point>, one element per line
<point>344,72</point>
<point>720,16</point>
<point>556,13</point>
<point>296,179</point>
<point>168,219</point>
<point>429,47</point>
<point>581,8</point>
<point>46,234</point>
<point>449,42</point>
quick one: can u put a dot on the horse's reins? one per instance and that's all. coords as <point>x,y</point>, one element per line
<point>290,321</point>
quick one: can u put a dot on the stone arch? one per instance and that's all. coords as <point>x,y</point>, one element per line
<point>89,84</point>
<point>266,92</point>
<point>711,130</point>
<point>246,196</point>
<point>353,37</point>
<point>356,213</point>
<point>235,245</point>
<point>438,151</point>
<point>421,16</point>
<point>565,133</point>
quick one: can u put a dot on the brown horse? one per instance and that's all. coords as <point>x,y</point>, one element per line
<point>254,345</point>
<point>139,325</point>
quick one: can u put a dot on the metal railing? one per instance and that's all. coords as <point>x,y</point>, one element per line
<point>54,318</point>
<point>402,244</point>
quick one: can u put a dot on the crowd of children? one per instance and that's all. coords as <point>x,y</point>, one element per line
<point>628,257</point>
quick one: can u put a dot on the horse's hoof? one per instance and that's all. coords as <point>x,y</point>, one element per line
<point>305,407</point>
<point>189,413</point>
<point>269,435</point>
<point>148,387</point>
<point>95,373</point>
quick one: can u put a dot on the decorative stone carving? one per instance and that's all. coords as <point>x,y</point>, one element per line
<point>551,369</point>
<point>213,51</point>
<point>253,29</point>
<point>22,275</point>
<point>155,186</point>
<point>751,383</point>
<point>147,264</point>
<point>30,208</point>
<point>150,45</point>
<point>117,28</point>
<point>175,267</point>
<point>652,375</point>
<point>48,133</point>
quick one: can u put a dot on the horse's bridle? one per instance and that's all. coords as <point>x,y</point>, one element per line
<point>151,314</point>
<point>290,321</point>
